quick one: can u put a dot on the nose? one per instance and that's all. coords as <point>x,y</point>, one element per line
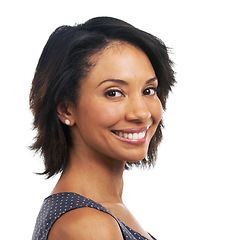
<point>137,110</point>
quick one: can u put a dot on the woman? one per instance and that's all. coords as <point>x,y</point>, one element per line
<point>97,98</point>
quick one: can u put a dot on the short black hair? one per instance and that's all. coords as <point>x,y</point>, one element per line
<point>66,61</point>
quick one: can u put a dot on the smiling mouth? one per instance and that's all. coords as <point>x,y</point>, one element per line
<point>130,136</point>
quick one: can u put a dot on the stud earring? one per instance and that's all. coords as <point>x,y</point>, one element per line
<point>67,122</point>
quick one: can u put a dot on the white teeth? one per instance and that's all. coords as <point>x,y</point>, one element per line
<point>131,136</point>
<point>135,136</point>
<point>141,134</point>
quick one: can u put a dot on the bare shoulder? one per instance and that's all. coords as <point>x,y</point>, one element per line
<point>85,223</point>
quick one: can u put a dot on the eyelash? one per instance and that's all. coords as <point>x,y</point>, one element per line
<point>151,88</point>
<point>111,91</point>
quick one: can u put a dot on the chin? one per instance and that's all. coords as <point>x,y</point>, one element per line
<point>134,159</point>
<point>132,155</point>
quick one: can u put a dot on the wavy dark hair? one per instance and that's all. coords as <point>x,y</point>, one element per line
<point>65,61</point>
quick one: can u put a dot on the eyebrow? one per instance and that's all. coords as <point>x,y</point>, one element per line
<point>122,82</point>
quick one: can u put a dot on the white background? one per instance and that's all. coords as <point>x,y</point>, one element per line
<point>193,191</point>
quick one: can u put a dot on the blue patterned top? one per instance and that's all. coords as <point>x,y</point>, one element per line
<point>56,205</point>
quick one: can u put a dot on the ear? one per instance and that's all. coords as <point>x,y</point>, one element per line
<point>65,112</point>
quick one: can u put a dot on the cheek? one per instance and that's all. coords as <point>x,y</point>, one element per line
<point>104,115</point>
<point>156,110</point>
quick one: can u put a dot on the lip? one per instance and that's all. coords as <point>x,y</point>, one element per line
<point>132,130</point>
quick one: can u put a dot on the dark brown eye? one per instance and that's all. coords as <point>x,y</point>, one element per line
<point>113,93</point>
<point>149,91</point>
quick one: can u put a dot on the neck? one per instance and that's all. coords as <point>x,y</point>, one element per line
<point>101,181</point>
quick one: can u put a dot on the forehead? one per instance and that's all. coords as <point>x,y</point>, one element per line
<point>121,61</point>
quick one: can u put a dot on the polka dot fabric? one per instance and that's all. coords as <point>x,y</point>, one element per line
<point>57,204</point>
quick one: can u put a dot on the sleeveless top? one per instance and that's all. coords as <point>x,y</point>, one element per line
<point>56,205</point>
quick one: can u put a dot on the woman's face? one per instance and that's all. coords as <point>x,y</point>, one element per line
<point>118,109</point>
